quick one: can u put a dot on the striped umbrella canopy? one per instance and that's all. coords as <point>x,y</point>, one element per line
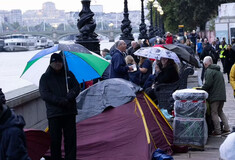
<point>84,64</point>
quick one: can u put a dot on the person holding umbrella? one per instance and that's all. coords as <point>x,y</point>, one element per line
<point>59,88</point>
<point>167,72</point>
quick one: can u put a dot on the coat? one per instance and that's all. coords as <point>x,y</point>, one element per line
<point>169,40</point>
<point>232,78</point>
<point>53,91</point>
<point>214,84</point>
<point>229,59</point>
<point>119,68</point>
<point>12,137</point>
<point>168,74</point>
<point>144,76</point>
<point>208,50</point>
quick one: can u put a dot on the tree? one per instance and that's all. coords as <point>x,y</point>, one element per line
<point>190,13</point>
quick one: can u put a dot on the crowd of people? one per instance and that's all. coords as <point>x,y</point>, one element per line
<point>167,71</point>
<point>147,73</point>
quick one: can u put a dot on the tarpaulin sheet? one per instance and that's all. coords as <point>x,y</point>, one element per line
<point>111,92</point>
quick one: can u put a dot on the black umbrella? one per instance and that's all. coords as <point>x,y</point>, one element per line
<point>183,54</point>
<point>189,49</point>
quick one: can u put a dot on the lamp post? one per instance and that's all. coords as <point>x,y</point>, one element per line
<point>111,33</point>
<point>142,26</point>
<point>126,26</point>
<point>161,23</point>
<point>86,25</point>
<point>151,31</point>
<point>159,29</point>
<point>156,6</point>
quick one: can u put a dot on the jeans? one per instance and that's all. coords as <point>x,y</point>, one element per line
<point>66,126</point>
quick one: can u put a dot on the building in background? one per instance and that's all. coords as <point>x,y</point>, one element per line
<point>59,18</point>
<point>225,23</point>
<point>15,16</point>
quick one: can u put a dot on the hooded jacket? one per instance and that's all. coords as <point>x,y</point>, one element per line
<point>53,91</point>
<point>12,137</point>
<point>214,84</point>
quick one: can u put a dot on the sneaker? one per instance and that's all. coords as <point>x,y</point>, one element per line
<point>215,135</point>
<point>225,133</point>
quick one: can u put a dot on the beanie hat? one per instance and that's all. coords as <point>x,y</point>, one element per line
<point>56,57</point>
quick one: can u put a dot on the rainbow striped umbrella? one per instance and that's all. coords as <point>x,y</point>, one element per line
<point>84,64</point>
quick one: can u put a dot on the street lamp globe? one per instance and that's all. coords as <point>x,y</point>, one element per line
<point>150,0</point>
<point>111,25</point>
<point>161,13</point>
<point>159,8</point>
<point>155,4</point>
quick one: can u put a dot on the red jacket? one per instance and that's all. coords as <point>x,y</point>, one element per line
<point>169,40</point>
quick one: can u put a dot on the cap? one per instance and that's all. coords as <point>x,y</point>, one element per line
<point>56,57</point>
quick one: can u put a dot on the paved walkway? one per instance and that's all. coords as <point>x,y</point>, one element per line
<point>211,151</point>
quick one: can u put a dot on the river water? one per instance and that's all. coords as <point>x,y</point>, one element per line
<point>12,65</point>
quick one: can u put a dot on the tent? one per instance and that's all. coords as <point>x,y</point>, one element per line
<point>125,123</point>
<point>131,131</point>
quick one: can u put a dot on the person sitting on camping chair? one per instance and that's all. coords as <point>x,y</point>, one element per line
<point>167,71</point>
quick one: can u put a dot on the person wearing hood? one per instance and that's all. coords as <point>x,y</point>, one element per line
<point>215,86</point>
<point>59,91</point>
<point>12,137</point>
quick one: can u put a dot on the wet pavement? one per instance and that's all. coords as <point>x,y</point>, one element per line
<point>211,149</point>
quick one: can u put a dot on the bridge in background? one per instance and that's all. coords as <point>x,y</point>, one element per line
<point>58,35</point>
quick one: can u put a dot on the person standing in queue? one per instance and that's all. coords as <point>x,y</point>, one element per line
<point>59,95</point>
<point>215,86</point>
<point>119,68</point>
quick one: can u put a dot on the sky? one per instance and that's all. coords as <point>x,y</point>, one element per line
<point>69,5</point>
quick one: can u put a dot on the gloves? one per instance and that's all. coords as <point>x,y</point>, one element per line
<point>63,102</point>
<point>71,95</point>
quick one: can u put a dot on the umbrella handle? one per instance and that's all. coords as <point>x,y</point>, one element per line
<point>65,69</point>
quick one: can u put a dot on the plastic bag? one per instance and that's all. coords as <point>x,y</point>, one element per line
<point>227,147</point>
<point>159,154</point>
<point>166,114</point>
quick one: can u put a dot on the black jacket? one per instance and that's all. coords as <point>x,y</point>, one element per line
<point>53,91</point>
<point>12,137</point>
<point>168,74</point>
<point>208,50</point>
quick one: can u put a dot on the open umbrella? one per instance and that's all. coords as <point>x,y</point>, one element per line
<point>148,52</point>
<point>157,53</point>
<point>38,142</point>
<point>84,64</point>
<point>189,49</point>
<point>183,54</point>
